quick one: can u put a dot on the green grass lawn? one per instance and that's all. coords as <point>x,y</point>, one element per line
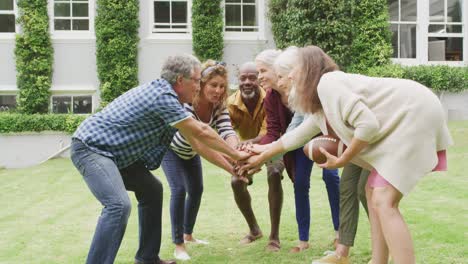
<point>48,215</point>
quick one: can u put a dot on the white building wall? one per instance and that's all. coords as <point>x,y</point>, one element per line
<point>7,66</point>
<point>74,65</point>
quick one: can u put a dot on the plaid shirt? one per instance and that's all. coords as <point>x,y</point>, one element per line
<point>135,126</point>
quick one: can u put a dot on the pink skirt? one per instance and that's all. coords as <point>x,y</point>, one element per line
<point>376,180</point>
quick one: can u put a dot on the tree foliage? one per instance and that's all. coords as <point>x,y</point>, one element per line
<point>116,25</point>
<point>207,29</point>
<point>354,33</point>
<point>34,57</point>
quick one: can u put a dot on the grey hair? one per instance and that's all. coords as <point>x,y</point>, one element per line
<point>179,65</point>
<point>286,61</point>
<point>268,56</point>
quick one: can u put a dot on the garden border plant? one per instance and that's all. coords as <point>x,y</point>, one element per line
<point>15,122</point>
<point>207,29</point>
<point>117,39</point>
<point>34,57</point>
<point>340,27</point>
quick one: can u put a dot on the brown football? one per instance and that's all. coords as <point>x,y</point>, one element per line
<point>331,144</point>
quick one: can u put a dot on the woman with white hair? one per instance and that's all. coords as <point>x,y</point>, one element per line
<point>278,117</point>
<point>303,165</point>
<point>351,185</point>
<point>393,127</point>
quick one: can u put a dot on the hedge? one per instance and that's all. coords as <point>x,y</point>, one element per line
<point>207,29</point>
<point>324,23</point>
<point>13,122</point>
<point>371,36</point>
<point>34,57</point>
<point>116,25</point>
<point>439,78</point>
<point>355,33</point>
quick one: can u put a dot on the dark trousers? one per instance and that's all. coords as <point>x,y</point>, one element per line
<point>109,185</point>
<point>303,168</point>
<point>185,179</point>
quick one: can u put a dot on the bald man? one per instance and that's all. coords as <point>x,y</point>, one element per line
<point>248,118</point>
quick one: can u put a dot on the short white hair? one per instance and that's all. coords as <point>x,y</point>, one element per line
<point>286,61</point>
<point>268,56</point>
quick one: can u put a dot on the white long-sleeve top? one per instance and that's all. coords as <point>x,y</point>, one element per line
<point>402,120</point>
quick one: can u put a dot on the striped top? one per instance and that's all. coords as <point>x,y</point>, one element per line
<point>220,121</point>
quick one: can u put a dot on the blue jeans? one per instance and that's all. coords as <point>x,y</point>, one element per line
<point>109,185</point>
<point>186,182</point>
<point>303,168</point>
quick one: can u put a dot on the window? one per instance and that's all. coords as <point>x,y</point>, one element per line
<point>72,104</point>
<point>71,15</point>
<point>445,37</point>
<point>7,102</point>
<point>7,16</point>
<point>403,16</point>
<point>170,16</point>
<point>241,16</point>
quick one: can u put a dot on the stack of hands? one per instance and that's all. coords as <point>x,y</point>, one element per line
<point>251,160</point>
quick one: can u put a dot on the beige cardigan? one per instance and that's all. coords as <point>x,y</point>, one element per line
<point>402,120</point>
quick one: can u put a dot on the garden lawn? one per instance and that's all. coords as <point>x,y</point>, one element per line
<point>48,215</point>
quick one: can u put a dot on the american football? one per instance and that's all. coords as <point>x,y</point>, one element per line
<point>331,144</point>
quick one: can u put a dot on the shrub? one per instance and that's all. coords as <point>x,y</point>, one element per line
<point>117,24</point>
<point>390,71</point>
<point>303,22</point>
<point>439,78</point>
<point>354,33</point>
<point>11,122</point>
<point>371,36</point>
<point>34,57</point>
<point>207,29</point>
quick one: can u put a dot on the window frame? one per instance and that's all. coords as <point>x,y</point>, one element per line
<point>447,35</point>
<point>72,96</point>
<point>72,34</point>
<point>423,34</point>
<point>401,22</point>
<point>10,35</point>
<point>10,94</point>
<point>247,35</point>
<point>170,34</point>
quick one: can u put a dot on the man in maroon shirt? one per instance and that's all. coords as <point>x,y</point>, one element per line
<point>245,107</point>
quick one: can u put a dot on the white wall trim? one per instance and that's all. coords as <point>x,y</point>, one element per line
<point>7,89</point>
<point>73,40</point>
<point>56,89</point>
<point>154,40</point>
<point>7,37</point>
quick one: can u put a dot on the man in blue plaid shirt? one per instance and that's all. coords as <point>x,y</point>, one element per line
<point>116,148</point>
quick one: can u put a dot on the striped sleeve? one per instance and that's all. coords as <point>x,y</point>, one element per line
<point>179,144</point>
<point>223,125</point>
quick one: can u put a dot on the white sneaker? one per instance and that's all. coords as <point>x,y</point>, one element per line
<point>197,241</point>
<point>181,255</point>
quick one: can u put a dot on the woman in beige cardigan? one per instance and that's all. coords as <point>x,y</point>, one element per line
<point>394,127</point>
